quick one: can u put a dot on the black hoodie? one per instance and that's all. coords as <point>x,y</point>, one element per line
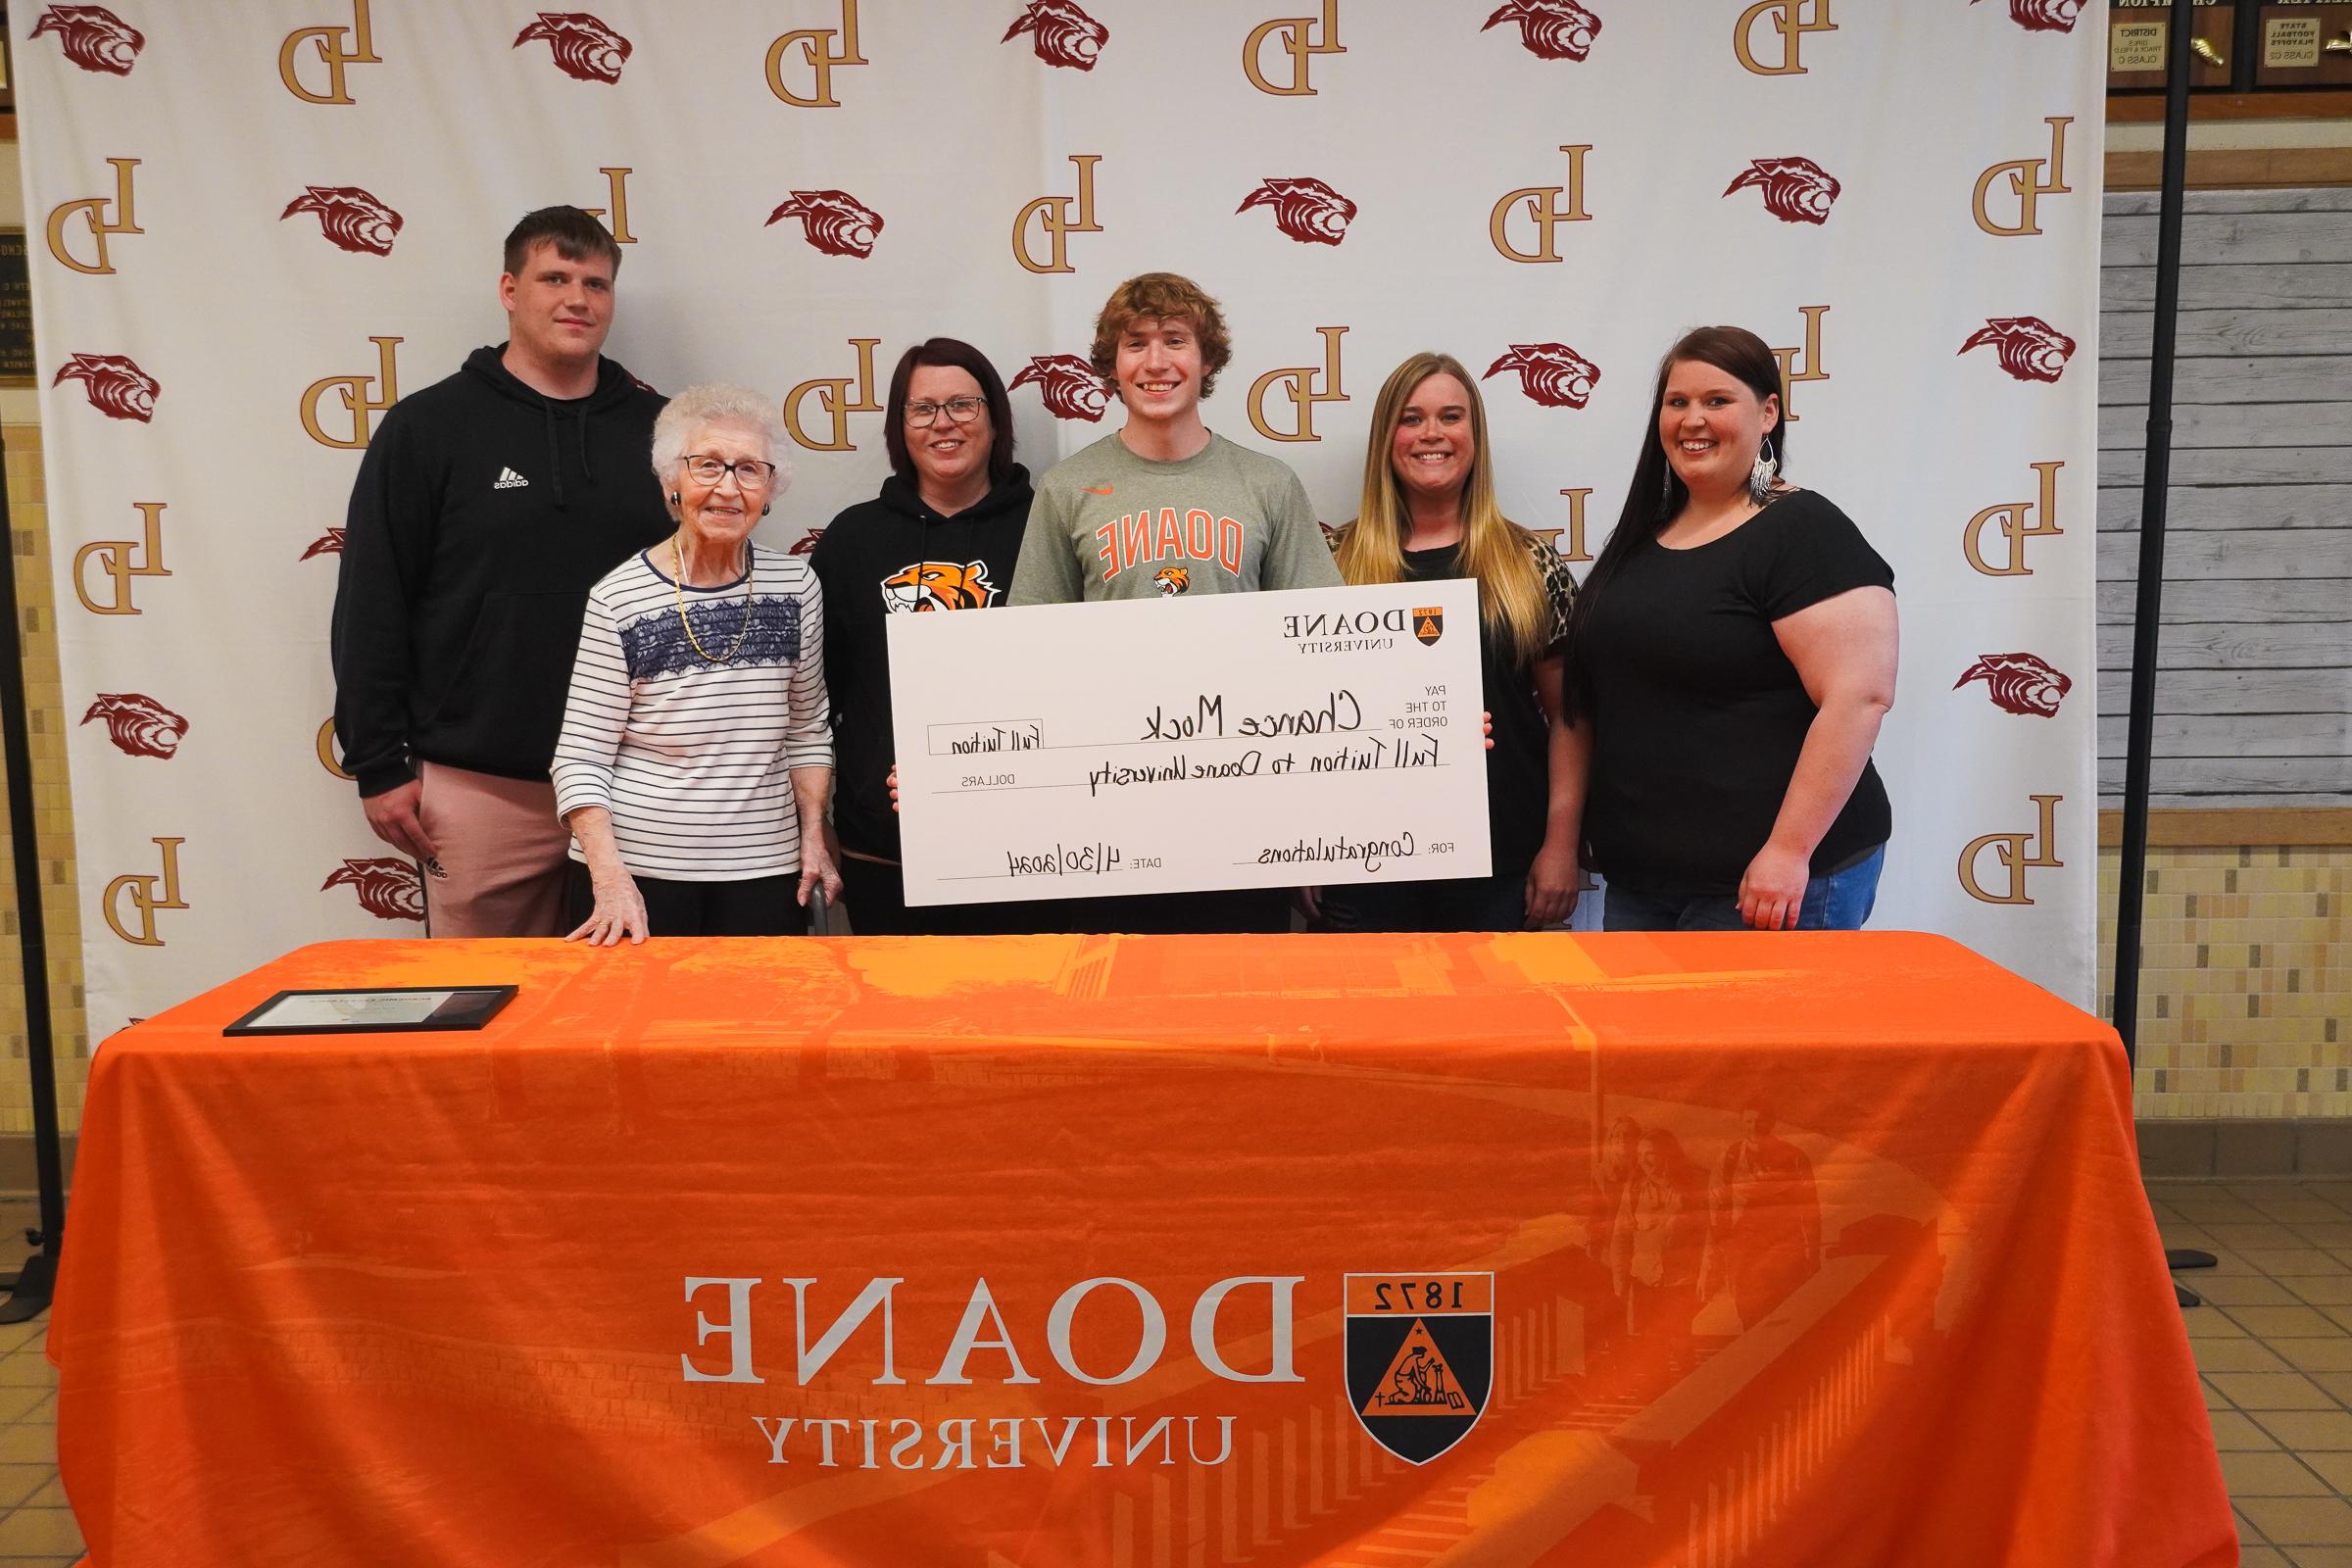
<point>888,556</point>
<point>482,515</point>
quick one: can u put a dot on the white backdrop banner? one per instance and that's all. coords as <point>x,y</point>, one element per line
<point>258,223</point>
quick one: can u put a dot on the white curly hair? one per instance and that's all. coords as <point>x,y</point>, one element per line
<point>709,403</point>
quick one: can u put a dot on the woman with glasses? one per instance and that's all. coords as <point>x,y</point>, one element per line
<point>942,534</point>
<point>696,755</point>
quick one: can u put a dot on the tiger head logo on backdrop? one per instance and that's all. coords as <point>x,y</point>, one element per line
<point>2044,16</point>
<point>1796,190</point>
<point>1062,33</point>
<point>350,218</point>
<point>1550,373</point>
<point>833,220</point>
<point>387,888</point>
<point>138,725</point>
<point>1307,210</point>
<point>114,383</point>
<point>2019,683</point>
<point>2030,348</point>
<point>938,586</point>
<point>584,48</point>
<point>93,37</point>
<point>1551,29</point>
<point>1068,385</point>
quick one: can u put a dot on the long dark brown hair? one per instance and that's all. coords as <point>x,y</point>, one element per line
<point>1657,494</point>
<point>952,353</point>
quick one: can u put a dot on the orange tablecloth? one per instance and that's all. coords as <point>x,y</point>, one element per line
<point>1805,1249</point>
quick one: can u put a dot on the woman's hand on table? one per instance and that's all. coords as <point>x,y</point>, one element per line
<point>619,911</point>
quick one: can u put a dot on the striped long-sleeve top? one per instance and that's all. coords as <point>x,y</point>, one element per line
<point>694,757</point>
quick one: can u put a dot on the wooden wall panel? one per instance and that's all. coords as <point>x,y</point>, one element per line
<point>2254,684</point>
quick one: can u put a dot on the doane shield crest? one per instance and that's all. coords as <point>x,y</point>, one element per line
<point>1420,1359</point>
<point>1429,624</point>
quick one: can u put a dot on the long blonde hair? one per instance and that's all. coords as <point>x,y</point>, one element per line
<point>1495,550</point>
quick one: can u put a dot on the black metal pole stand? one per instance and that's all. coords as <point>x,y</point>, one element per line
<point>29,1296</point>
<point>2147,619</point>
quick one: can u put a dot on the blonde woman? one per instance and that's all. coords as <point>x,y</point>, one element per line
<point>1428,512</point>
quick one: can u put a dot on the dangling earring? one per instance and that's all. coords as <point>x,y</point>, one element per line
<point>1666,490</point>
<point>1759,478</point>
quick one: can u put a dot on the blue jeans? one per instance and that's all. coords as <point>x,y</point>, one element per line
<point>1838,902</point>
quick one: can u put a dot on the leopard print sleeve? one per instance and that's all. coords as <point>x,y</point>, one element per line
<point>1559,590</point>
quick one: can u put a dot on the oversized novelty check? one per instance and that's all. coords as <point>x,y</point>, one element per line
<point>1160,746</point>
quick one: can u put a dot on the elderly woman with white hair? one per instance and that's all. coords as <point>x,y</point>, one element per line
<point>697,753</point>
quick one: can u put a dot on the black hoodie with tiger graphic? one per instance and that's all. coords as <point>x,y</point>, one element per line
<point>895,556</point>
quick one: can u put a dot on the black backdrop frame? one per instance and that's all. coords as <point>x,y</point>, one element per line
<point>2130,890</point>
<point>30,1290</point>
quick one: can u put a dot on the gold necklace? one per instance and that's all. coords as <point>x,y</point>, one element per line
<point>677,588</point>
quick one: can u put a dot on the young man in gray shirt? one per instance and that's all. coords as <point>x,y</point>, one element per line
<point>1166,508</point>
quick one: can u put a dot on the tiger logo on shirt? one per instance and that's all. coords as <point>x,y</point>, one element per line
<point>1172,580</point>
<point>938,586</point>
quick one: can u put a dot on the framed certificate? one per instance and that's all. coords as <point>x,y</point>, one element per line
<point>390,1010</point>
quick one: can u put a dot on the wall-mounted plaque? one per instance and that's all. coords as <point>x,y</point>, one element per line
<point>16,312</point>
<point>2290,41</point>
<point>2137,35</point>
<point>2137,45</point>
<point>2305,46</point>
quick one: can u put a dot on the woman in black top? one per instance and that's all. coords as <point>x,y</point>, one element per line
<point>1735,648</point>
<point>1428,510</point>
<point>942,534</point>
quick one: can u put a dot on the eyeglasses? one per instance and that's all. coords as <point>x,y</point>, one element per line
<point>963,411</point>
<point>750,472</point>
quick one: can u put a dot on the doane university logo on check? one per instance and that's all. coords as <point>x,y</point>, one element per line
<point>1356,631</point>
<point>1420,1359</point>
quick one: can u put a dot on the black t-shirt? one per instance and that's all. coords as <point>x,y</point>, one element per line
<point>1697,714</point>
<point>1518,769</point>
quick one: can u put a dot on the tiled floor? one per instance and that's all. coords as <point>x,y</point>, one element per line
<point>2273,1342</point>
<point>37,1529</point>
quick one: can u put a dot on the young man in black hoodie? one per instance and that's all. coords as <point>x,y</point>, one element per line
<point>486,507</point>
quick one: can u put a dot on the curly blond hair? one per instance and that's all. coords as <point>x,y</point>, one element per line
<point>1162,297</point>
